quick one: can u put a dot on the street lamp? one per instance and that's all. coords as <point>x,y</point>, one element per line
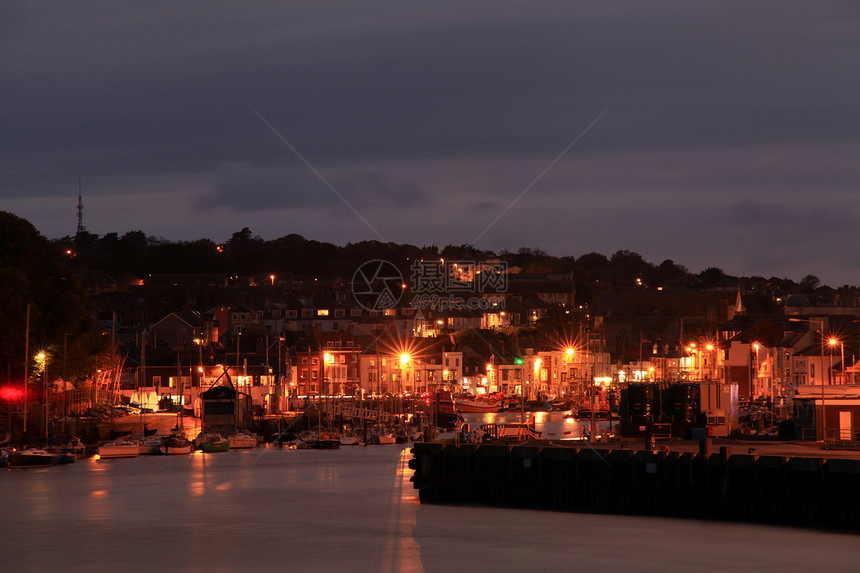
<point>755,379</point>
<point>43,362</point>
<point>834,342</point>
<point>404,360</point>
<point>327,359</point>
<point>711,360</point>
<point>199,343</point>
<point>568,360</point>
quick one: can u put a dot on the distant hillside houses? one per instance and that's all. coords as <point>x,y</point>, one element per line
<point>283,337</point>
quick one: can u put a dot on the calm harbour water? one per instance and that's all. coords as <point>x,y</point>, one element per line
<point>351,509</point>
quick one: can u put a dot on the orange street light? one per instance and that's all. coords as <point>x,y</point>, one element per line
<point>834,342</point>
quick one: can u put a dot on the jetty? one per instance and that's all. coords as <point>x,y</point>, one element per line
<point>710,483</point>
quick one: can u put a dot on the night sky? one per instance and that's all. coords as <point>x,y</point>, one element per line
<point>713,133</point>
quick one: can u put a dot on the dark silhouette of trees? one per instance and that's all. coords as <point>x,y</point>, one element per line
<point>244,253</point>
<point>33,271</point>
<point>711,276</point>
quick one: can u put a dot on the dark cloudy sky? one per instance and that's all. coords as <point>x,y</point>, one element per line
<point>729,134</point>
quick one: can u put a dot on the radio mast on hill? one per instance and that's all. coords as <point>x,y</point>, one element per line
<point>81,229</point>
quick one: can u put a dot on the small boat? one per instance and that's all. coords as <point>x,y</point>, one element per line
<point>33,458</point>
<point>211,443</point>
<point>176,444</point>
<point>467,406</point>
<point>382,435</point>
<point>242,440</point>
<point>349,440</point>
<point>149,447</point>
<point>300,444</point>
<point>309,436</point>
<point>118,449</point>
<point>538,406</point>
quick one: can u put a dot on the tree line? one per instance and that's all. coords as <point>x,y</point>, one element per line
<point>41,273</point>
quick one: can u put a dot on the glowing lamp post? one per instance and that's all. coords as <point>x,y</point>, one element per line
<point>755,378</point>
<point>711,358</point>
<point>568,360</point>
<point>834,342</point>
<point>327,359</point>
<point>404,362</point>
<point>42,359</point>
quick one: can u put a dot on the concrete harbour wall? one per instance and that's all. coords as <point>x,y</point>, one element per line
<point>808,492</point>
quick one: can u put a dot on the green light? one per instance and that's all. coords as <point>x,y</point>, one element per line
<point>518,361</point>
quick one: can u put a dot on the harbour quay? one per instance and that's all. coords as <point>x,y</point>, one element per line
<point>801,491</point>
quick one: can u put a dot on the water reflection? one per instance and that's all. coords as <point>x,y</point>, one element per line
<point>401,551</point>
<point>351,510</point>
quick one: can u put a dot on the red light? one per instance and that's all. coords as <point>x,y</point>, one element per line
<point>11,393</point>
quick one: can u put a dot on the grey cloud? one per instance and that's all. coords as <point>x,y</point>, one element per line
<point>249,187</point>
<point>441,110</point>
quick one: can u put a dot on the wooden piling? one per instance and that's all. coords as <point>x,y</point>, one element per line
<point>809,492</point>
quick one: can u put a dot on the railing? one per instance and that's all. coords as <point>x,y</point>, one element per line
<point>350,411</point>
<point>512,432</point>
<point>842,439</point>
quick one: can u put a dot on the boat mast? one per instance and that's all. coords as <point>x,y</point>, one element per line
<point>26,366</point>
<point>141,379</point>
<point>113,364</point>
<point>181,389</point>
<point>45,397</point>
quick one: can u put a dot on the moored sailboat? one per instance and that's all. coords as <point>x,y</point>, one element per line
<point>211,443</point>
<point>119,449</point>
<point>242,440</point>
<point>175,444</point>
<point>33,458</point>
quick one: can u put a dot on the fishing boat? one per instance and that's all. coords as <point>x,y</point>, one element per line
<point>242,440</point>
<point>175,444</point>
<point>119,449</point>
<point>33,458</point>
<point>470,406</point>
